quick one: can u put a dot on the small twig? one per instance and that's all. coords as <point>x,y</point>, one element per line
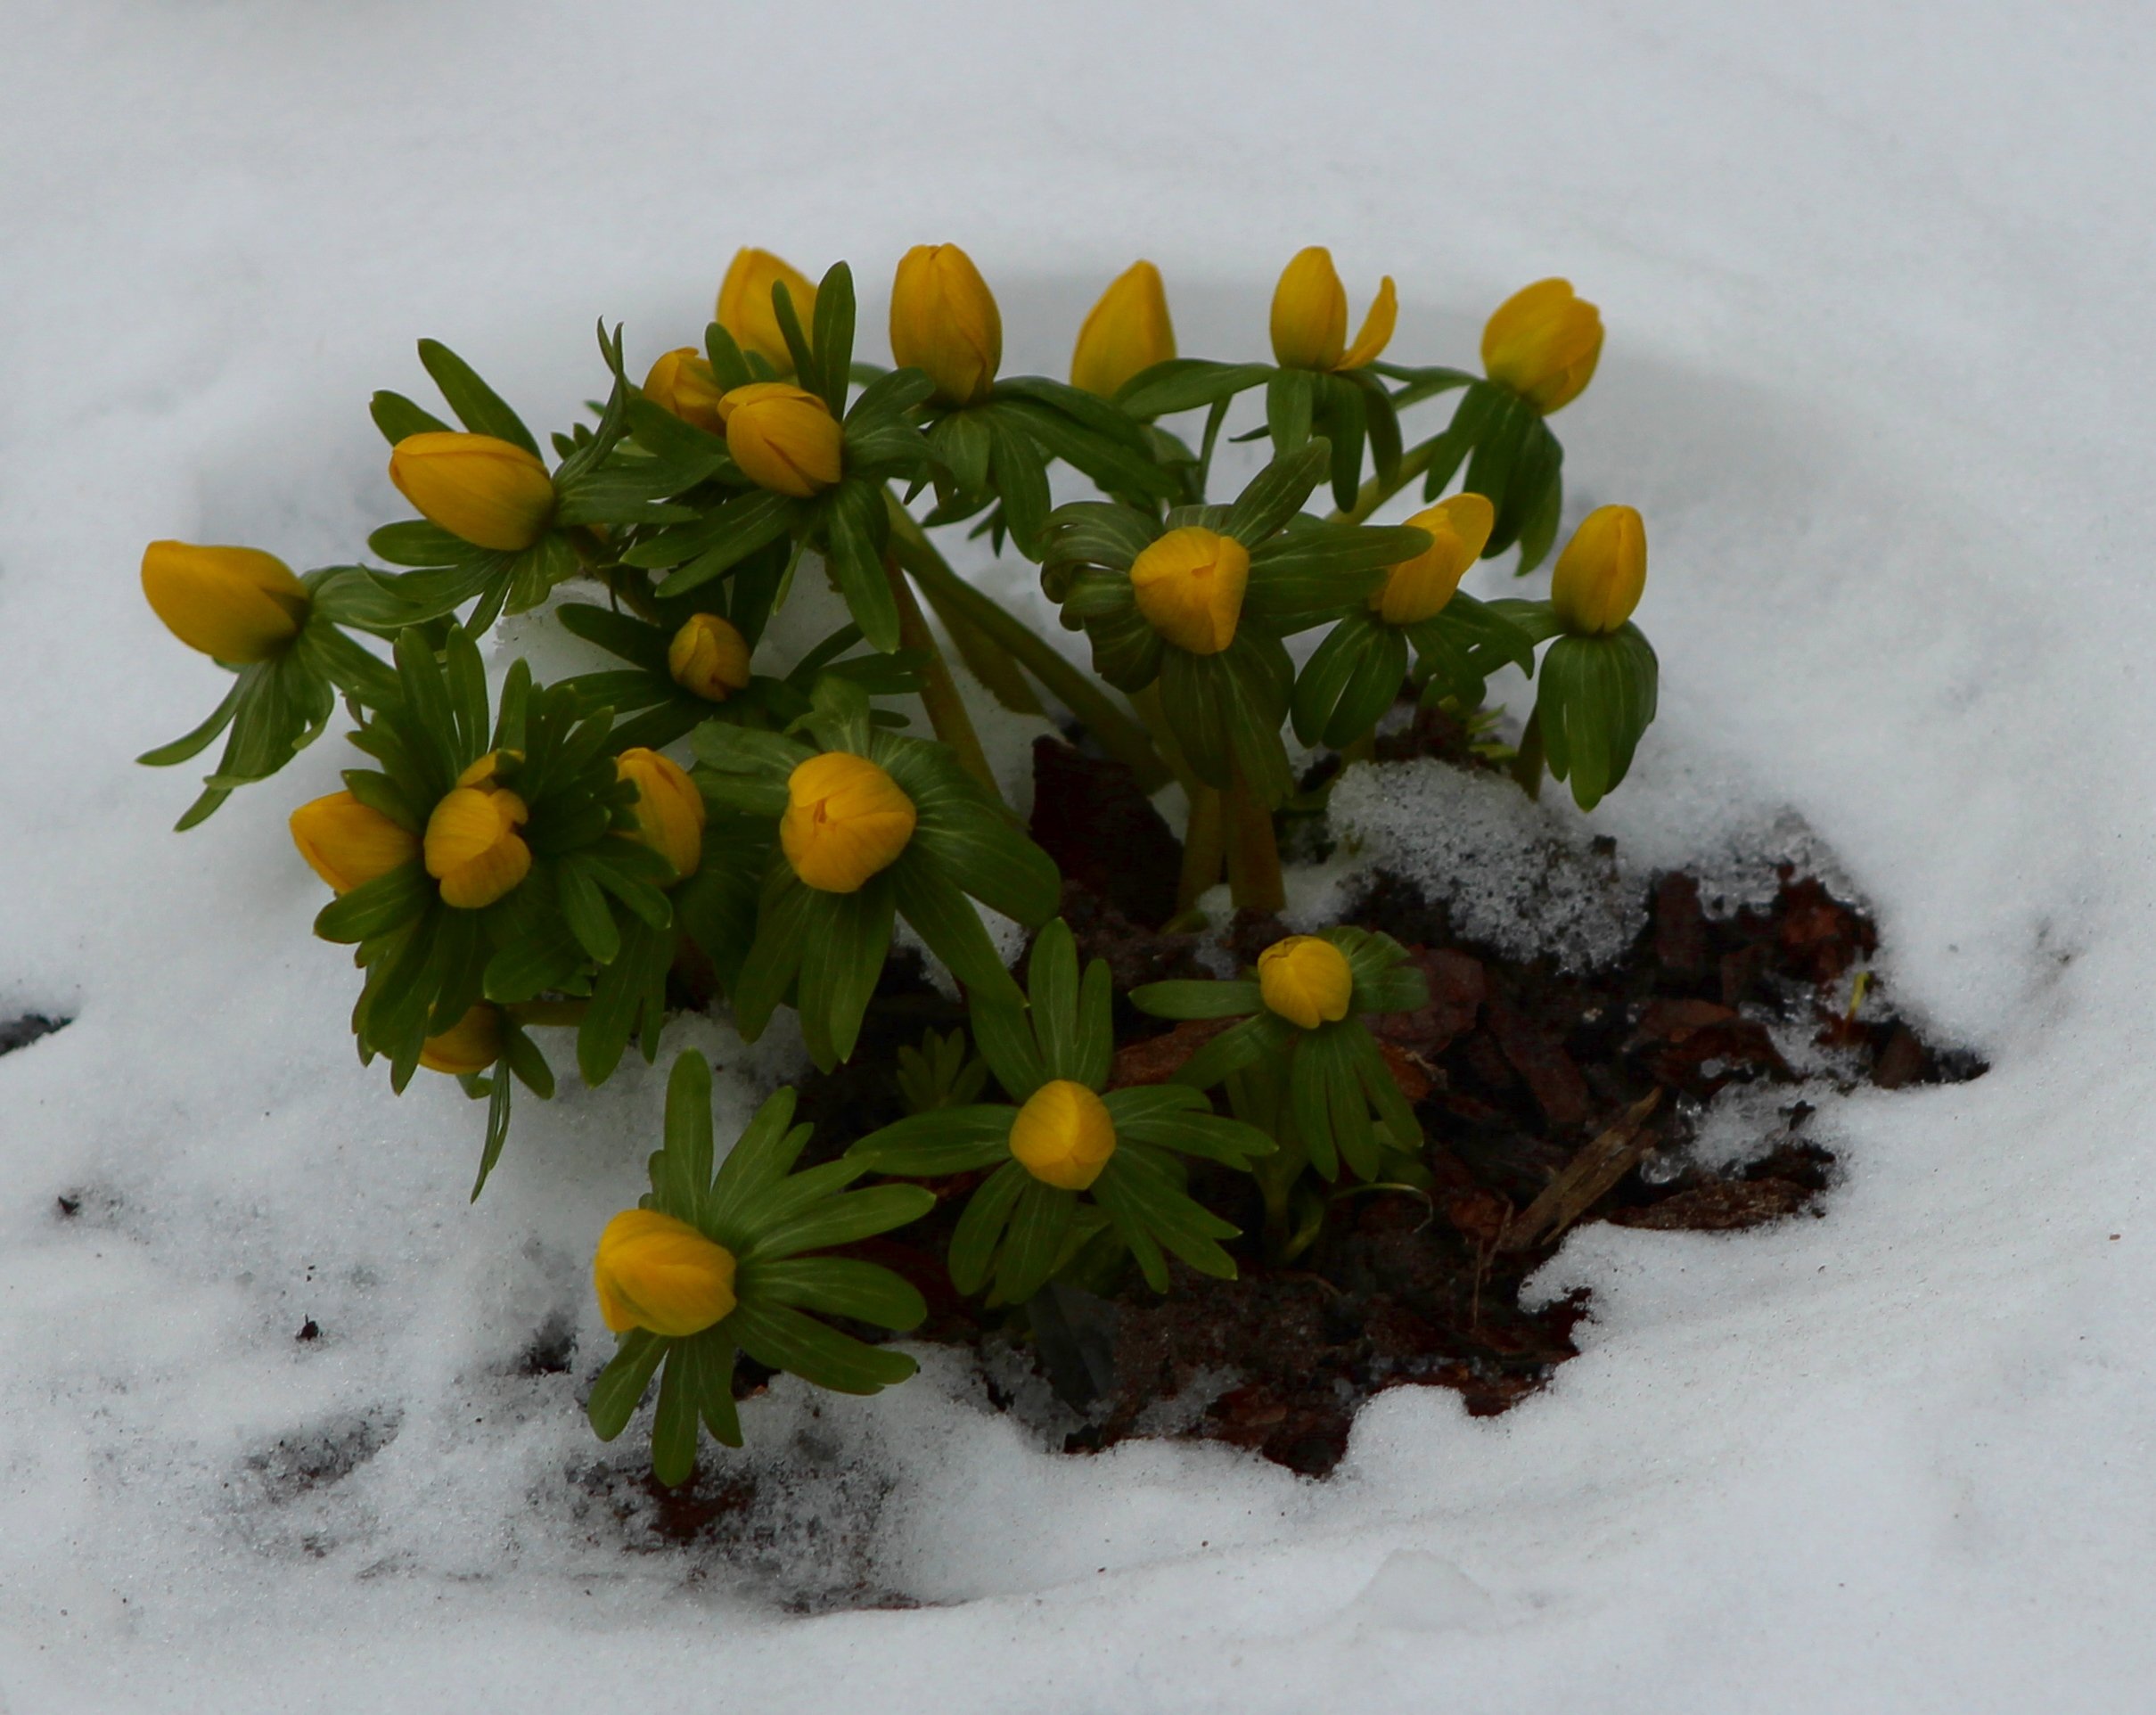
<point>1585,1179</point>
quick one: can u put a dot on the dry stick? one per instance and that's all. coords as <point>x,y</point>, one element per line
<point>946,709</point>
<point>1585,1179</point>
<point>1116,732</point>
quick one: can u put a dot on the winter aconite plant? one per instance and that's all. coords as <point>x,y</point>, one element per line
<point>702,818</point>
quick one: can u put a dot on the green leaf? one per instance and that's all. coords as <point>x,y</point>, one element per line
<point>943,1140</point>
<point>673,1424</point>
<point>845,1220</point>
<point>1596,697</point>
<point>478,406</point>
<point>1235,1049</point>
<point>856,528</point>
<point>1188,1000</point>
<point>763,1155</point>
<point>1034,1241</point>
<point>1185,383</point>
<point>785,1338</point>
<point>1097,533</point>
<point>1007,1044</point>
<point>399,419</point>
<point>981,1226</point>
<point>834,336</point>
<point>837,1286</point>
<point>1277,493</point>
<point>969,836</point>
<point>1349,682</point>
<point>624,1382</point>
<point>1022,480</point>
<point>378,906</point>
<point>1290,402</point>
<point>946,922</point>
<point>198,740</point>
<point>845,939</point>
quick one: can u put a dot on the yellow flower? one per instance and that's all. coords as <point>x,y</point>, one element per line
<point>474,848</point>
<point>490,773</point>
<point>654,1272</point>
<point>1602,572</point>
<point>1128,330</point>
<point>669,809</point>
<point>1310,317</point>
<point>348,843</point>
<point>845,820</point>
<point>681,382</point>
<point>709,656</point>
<point>1416,589</point>
<point>491,493</point>
<point>234,604</point>
<point>1189,585</point>
<point>783,438</point>
<point>1063,1137</point>
<point>1306,979</point>
<point>471,1044</point>
<point>945,323</point>
<point>1543,342</point>
<point>744,304</point>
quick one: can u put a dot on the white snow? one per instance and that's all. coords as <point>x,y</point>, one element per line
<point>1880,377</point>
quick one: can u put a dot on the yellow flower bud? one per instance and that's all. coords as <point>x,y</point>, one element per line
<point>489,772</point>
<point>491,493</point>
<point>1416,589</point>
<point>669,809</point>
<point>1602,572</point>
<point>709,656</point>
<point>1128,330</point>
<point>845,820</point>
<point>474,848</point>
<point>1543,342</point>
<point>471,1044</point>
<point>945,323</point>
<point>783,438</point>
<point>234,604</point>
<point>681,382</point>
<point>1306,979</point>
<point>1310,317</point>
<point>745,305</point>
<point>348,843</point>
<point>1063,1137</point>
<point>1189,585</point>
<point>654,1272</point>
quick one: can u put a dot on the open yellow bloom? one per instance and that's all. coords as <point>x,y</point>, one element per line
<point>945,323</point>
<point>783,438</point>
<point>1602,573</point>
<point>845,820</point>
<point>1310,317</point>
<point>1063,1137</point>
<point>1189,585</point>
<point>744,304</point>
<point>1306,979</point>
<point>1128,330</point>
<point>681,382</point>
<point>472,847</point>
<point>471,1044</point>
<point>708,657</point>
<point>669,809</point>
<point>654,1272</point>
<point>348,843</point>
<point>1543,342</point>
<point>1416,589</point>
<point>491,493</point>
<point>235,604</point>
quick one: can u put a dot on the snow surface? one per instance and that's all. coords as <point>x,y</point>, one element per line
<point>1880,377</point>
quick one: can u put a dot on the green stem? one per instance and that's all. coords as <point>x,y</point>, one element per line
<point>999,675</point>
<point>627,586</point>
<point>1205,827</point>
<point>1254,853</point>
<point>1527,761</point>
<point>1116,732</point>
<point>946,709</point>
<point>1360,749</point>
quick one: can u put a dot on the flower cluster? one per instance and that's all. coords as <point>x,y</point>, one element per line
<point>697,818</point>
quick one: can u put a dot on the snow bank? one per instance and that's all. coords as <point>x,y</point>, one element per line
<point>1879,378</point>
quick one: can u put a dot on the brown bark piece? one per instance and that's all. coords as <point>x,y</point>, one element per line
<point>1539,1058</point>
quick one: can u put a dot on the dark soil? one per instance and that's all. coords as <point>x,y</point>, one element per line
<point>1549,1098</point>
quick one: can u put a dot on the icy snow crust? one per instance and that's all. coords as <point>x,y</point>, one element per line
<point>1879,377</point>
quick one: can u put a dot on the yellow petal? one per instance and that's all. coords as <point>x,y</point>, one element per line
<point>471,1045</point>
<point>1602,573</point>
<point>653,1271</point>
<point>1307,981</point>
<point>1062,1136</point>
<point>669,809</point>
<point>1416,589</point>
<point>1377,328</point>
<point>745,309</point>
<point>709,658</point>
<point>783,438</point>
<point>235,604</point>
<point>1309,312</point>
<point>1189,585</point>
<point>945,323</point>
<point>491,493</point>
<point>844,821</point>
<point>1128,330</point>
<point>1543,342</point>
<point>348,843</point>
<point>472,847</point>
<point>681,382</point>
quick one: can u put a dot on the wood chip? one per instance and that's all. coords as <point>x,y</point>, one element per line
<point>1586,1178</point>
